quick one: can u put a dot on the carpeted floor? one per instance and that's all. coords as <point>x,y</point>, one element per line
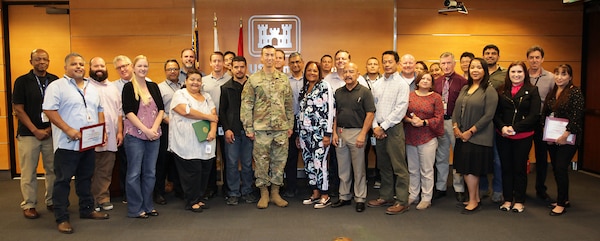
<point>442,221</point>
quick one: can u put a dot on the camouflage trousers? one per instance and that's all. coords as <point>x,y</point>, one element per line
<point>270,155</point>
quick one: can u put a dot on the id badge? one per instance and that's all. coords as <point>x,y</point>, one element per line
<point>208,149</point>
<point>373,141</point>
<point>340,142</point>
<point>220,131</point>
<point>89,117</point>
<point>445,105</point>
<point>45,118</point>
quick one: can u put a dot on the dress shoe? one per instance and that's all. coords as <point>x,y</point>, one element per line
<point>379,203</point>
<point>471,211</point>
<point>460,196</point>
<point>65,227</point>
<point>437,194</point>
<point>553,205</point>
<point>95,215</point>
<point>160,200</point>
<point>518,209</point>
<point>505,207</point>
<point>30,213</point>
<point>396,209</point>
<point>50,207</point>
<point>360,207</point>
<point>340,203</point>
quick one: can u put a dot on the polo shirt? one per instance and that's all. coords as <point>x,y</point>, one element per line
<point>352,106</point>
<point>28,92</point>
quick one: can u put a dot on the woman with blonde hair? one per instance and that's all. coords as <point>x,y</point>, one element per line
<point>144,109</point>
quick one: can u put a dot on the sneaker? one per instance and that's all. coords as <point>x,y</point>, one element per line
<point>232,201</point>
<point>249,198</point>
<point>497,197</point>
<point>106,206</point>
<point>323,203</point>
<point>377,185</point>
<point>423,205</point>
<point>97,208</point>
<point>310,201</point>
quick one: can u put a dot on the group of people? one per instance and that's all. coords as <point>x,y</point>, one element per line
<point>412,118</point>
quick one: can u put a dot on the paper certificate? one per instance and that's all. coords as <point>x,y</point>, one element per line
<point>91,136</point>
<point>554,128</point>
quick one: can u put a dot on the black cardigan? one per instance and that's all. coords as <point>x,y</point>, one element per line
<point>527,104</point>
<point>130,104</point>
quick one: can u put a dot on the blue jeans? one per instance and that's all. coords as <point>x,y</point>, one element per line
<point>240,150</point>
<point>497,179</point>
<point>67,164</point>
<point>141,171</point>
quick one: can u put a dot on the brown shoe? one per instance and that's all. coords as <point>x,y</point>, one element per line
<point>396,209</point>
<point>96,215</point>
<point>30,213</point>
<point>65,227</point>
<point>379,203</point>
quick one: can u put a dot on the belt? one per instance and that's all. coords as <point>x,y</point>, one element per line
<point>447,117</point>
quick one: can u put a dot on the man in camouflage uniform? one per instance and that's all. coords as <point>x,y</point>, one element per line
<point>268,118</point>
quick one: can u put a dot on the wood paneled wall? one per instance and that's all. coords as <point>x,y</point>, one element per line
<point>160,29</point>
<point>157,29</point>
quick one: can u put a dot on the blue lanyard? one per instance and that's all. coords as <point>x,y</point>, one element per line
<point>42,87</point>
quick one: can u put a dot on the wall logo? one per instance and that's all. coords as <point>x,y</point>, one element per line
<point>281,31</point>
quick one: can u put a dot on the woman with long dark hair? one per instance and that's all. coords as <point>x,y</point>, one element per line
<point>474,130</point>
<point>315,127</point>
<point>517,116</point>
<point>564,101</point>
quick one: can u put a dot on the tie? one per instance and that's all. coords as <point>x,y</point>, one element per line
<point>445,92</point>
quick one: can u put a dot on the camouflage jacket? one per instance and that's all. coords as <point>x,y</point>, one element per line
<point>267,104</point>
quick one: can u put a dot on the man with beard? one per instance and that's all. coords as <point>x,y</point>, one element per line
<point>491,54</point>
<point>165,164</point>
<point>33,133</point>
<point>188,60</point>
<point>238,146</point>
<point>110,98</point>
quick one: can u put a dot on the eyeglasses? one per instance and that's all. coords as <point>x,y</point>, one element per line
<point>171,70</point>
<point>122,66</point>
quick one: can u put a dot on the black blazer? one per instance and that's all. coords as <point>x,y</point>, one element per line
<point>522,111</point>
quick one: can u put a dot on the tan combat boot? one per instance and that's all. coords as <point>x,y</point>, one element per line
<point>275,198</point>
<point>264,198</point>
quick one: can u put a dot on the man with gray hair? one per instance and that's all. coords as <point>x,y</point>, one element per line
<point>296,77</point>
<point>448,86</point>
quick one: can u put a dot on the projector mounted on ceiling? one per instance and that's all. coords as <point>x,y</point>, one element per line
<point>453,6</point>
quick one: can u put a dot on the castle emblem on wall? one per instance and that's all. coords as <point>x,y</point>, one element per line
<point>281,31</point>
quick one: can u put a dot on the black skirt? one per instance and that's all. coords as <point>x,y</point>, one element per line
<point>472,159</point>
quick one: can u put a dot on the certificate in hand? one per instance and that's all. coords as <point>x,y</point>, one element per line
<point>555,127</point>
<point>91,136</point>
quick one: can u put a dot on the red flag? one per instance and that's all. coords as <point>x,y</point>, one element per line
<point>240,51</point>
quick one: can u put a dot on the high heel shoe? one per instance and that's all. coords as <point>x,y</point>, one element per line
<point>553,205</point>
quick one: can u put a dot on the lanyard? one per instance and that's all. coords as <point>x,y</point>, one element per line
<point>42,87</point>
<point>81,92</point>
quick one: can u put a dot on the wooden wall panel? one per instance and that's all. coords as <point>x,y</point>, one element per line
<point>157,48</point>
<point>129,4</point>
<point>119,22</point>
<point>478,21</point>
<point>365,28</point>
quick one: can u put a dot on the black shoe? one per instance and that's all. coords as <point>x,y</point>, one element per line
<point>360,207</point>
<point>552,213</point>
<point>471,211</point>
<point>289,193</point>
<point>341,203</point>
<point>160,200</point>
<point>437,194</point>
<point>460,196</point>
